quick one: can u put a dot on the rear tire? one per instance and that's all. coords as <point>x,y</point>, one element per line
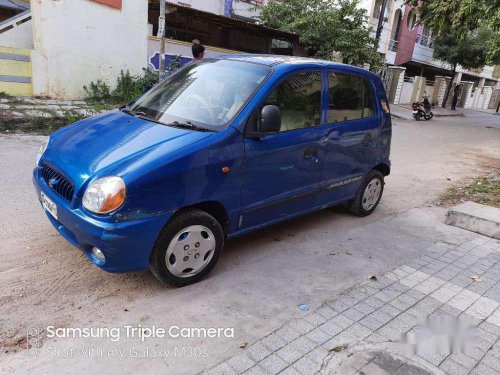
<point>368,195</point>
<point>187,248</point>
<point>418,116</point>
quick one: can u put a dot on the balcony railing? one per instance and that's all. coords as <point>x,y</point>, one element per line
<point>425,40</point>
<point>253,2</point>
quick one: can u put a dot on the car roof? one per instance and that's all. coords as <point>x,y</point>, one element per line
<point>271,60</point>
<point>292,61</point>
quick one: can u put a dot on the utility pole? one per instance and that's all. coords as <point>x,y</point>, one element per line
<point>381,17</point>
<point>161,34</point>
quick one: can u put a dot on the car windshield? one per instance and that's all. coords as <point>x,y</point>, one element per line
<point>205,94</point>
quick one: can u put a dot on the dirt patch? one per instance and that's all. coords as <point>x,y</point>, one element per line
<point>484,189</point>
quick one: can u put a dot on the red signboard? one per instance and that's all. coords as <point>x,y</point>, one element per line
<point>112,3</point>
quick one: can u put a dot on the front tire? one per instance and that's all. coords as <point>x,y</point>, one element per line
<point>429,116</point>
<point>187,248</point>
<point>368,195</point>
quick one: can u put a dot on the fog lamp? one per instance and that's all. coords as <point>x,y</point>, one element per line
<point>98,254</point>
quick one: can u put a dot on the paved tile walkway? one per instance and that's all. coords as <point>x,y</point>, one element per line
<point>411,320</point>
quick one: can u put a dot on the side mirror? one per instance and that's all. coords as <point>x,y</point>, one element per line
<point>270,119</point>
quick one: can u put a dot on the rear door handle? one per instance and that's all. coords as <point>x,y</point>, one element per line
<point>367,140</point>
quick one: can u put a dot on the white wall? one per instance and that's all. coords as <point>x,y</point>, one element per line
<point>178,48</point>
<point>79,41</point>
<point>18,37</point>
<point>240,8</point>
<point>246,10</point>
<point>488,72</point>
<point>390,57</point>
<point>213,6</point>
<point>385,36</point>
<point>423,54</point>
<point>406,93</point>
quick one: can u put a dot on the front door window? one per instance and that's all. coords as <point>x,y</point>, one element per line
<point>299,99</point>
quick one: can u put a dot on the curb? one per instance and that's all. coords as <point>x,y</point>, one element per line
<point>451,115</point>
<point>399,117</point>
<point>476,218</point>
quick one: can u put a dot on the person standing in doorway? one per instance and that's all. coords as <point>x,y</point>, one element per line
<point>198,50</point>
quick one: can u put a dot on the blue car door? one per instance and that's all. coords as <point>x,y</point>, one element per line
<point>353,124</point>
<point>282,170</point>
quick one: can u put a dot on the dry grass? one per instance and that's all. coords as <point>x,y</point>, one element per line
<point>484,190</point>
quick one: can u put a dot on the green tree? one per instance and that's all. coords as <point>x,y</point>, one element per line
<point>325,27</point>
<point>463,17</point>
<point>470,52</point>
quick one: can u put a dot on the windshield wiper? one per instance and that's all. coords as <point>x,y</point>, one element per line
<point>132,112</point>
<point>189,125</point>
<point>140,114</point>
<point>176,124</point>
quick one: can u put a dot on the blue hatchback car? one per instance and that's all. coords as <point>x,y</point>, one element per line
<point>223,147</point>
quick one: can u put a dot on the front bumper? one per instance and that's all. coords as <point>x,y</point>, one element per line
<point>127,245</point>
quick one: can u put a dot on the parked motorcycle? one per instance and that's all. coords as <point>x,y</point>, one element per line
<point>422,109</point>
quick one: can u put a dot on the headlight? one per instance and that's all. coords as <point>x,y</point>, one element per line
<point>104,195</point>
<point>41,150</point>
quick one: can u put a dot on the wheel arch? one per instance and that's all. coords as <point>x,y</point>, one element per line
<point>214,208</point>
<point>383,168</point>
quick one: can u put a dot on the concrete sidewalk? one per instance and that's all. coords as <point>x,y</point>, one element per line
<point>404,112</point>
<point>367,329</point>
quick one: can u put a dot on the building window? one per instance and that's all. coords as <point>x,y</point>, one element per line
<point>425,37</point>
<point>378,8</point>
<point>393,44</point>
<point>412,20</point>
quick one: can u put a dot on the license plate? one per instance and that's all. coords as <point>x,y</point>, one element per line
<point>415,112</point>
<point>48,205</point>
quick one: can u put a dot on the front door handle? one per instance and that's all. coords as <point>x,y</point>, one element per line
<point>334,136</point>
<point>311,153</point>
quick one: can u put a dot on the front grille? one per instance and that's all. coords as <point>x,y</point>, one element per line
<point>60,184</point>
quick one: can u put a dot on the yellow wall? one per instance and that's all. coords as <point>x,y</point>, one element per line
<point>12,68</point>
<point>15,68</point>
<point>17,89</point>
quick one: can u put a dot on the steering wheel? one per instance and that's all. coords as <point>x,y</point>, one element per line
<point>203,104</point>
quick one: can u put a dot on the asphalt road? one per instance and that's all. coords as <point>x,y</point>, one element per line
<point>260,280</point>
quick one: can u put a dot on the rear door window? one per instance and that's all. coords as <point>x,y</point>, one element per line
<point>350,98</point>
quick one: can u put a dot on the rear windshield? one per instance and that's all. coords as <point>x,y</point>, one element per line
<point>208,93</point>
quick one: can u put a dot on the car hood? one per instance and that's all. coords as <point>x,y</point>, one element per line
<point>93,145</point>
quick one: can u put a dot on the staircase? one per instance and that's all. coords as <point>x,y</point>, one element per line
<point>15,21</point>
